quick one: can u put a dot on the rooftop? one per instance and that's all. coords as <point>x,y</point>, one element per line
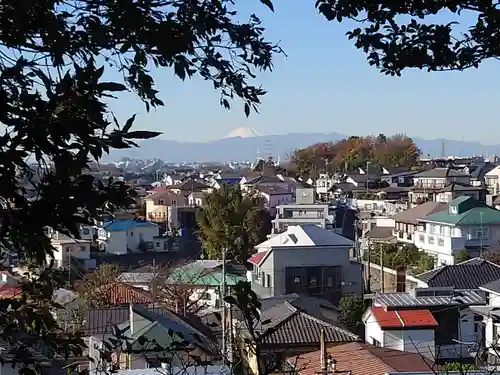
<point>391,319</point>
<point>306,235</point>
<point>418,212</point>
<point>122,225</point>
<point>470,274</point>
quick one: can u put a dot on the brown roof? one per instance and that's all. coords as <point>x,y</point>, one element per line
<point>413,214</point>
<point>379,232</point>
<point>120,293</point>
<point>191,185</point>
<point>362,359</point>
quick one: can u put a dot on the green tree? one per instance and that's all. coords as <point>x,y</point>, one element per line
<point>462,256</point>
<point>397,35</point>
<point>229,219</point>
<point>62,64</point>
<point>351,312</point>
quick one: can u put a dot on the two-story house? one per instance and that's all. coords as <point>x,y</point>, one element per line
<point>427,183</point>
<point>305,259</point>
<point>465,224</point>
<point>305,210</point>
<point>405,223</point>
<point>491,319</point>
<point>131,236</point>
<point>457,189</point>
<point>274,196</point>
<point>492,181</point>
<point>189,186</point>
<point>434,322</point>
<point>323,184</point>
<point>67,248</point>
<point>162,206</point>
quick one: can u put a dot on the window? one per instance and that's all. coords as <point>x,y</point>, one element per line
<point>174,203</point>
<point>161,201</point>
<point>297,280</point>
<point>68,249</point>
<point>157,244</point>
<point>268,281</point>
<point>479,232</point>
<point>85,231</point>
<point>440,241</point>
<point>478,321</point>
<point>421,238</point>
<point>83,248</point>
<point>430,240</point>
<point>454,209</point>
<point>329,282</point>
<point>131,234</point>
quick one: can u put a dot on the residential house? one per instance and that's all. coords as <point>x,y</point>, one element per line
<point>398,177</point>
<point>162,206</point>
<point>405,223</point>
<point>196,198</point>
<point>292,325</point>
<point>492,181</point>
<point>66,249</point>
<point>324,183</point>
<point>266,180</point>
<point>274,196</point>
<point>225,178</point>
<point>427,183</point>
<point>149,338</point>
<point>361,359</point>
<point>190,186</point>
<point>305,259</point>
<point>477,171</point>
<point>491,318</point>
<point>203,279</point>
<point>131,236</point>
<point>118,293</point>
<point>435,322</point>
<point>365,180</point>
<point>457,189</point>
<point>466,224</point>
<point>305,210</point>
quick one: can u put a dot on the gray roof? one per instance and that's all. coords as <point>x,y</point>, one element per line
<point>289,325</point>
<point>379,232</point>
<point>494,286</point>
<point>462,297</point>
<point>414,214</point>
<point>456,186</point>
<point>441,173</point>
<point>470,274</point>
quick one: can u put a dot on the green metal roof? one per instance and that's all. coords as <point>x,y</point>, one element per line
<point>196,274</point>
<point>469,212</point>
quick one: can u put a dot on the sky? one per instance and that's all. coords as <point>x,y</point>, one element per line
<point>323,85</point>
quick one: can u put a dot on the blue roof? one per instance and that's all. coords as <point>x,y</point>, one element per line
<point>127,224</point>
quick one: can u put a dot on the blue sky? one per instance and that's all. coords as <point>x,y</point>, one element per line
<point>326,85</point>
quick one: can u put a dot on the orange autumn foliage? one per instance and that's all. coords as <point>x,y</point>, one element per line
<point>353,152</point>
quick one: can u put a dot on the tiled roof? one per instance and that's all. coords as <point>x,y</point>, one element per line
<point>393,300</point>
<point>191,185</point>
<point>120,225</point>
<point>119,293</point>
<point>362,359</point>
<point>456,186</point>
<point>100,321</point>
<point>413,214</point>
<point>256,258</point>
<point>441,173</point>
<point>403,318</point>
<point>290,326</point>
<point>9,291</point>
<point>470,274</point>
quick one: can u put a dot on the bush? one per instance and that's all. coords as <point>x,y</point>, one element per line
<point>462,256</point>
<point>396,255</point>
<point>351,312</point>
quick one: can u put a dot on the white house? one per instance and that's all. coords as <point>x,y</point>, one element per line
<point>436,322</point>
<point>465,224</point>
<point>491,318</point>
<point>131,235</point>
<point>66,248</point>
<point>324,183</point>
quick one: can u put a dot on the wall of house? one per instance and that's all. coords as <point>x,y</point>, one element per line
<point>117,242</point>
<point>374,332</point>
<point>205,296</point>
<point>419,341</point>
<point>315,256</point>
<point>404,232</point>
<point>63,251</point>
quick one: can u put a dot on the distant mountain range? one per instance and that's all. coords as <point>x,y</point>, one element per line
<point>248,144</point>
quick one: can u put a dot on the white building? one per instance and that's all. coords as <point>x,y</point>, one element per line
<point>66,248</point>
<point>466,224</point>
<point>131,235</point>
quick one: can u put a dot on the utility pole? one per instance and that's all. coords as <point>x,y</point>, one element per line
<point>382,276</point>
<point>369,278</point>
<point>222,295</point>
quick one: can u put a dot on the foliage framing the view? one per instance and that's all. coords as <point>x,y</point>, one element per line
<point>354,152</point>
<point>394,42</point>
<point>54,61</point>
<point>229,219</point>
